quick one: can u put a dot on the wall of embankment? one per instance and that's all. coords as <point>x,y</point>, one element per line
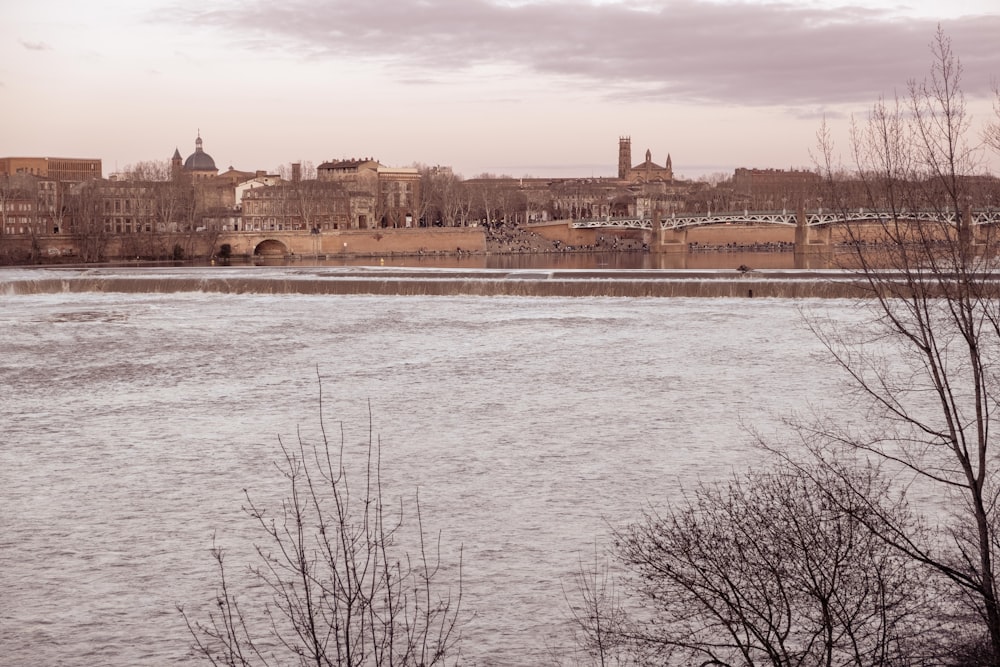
<point>354,242</point>
<point>715,235</point>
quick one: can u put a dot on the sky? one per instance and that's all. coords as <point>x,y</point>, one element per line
<point>539,88</point>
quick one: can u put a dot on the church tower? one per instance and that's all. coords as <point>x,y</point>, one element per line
<point>175,165</point>
<point>624,156</point>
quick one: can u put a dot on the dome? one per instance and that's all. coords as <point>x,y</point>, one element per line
<point>199,160</point>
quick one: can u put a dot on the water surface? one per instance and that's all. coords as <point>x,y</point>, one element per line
<point>531,426</point>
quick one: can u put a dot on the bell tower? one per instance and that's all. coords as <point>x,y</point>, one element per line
<point>624,156</point>
<point>175,165</point>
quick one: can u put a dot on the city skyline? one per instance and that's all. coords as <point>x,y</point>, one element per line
<point>524,88</point>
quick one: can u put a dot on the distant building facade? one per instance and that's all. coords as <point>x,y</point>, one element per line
<point>59,169</point>
<point>297,205</point>
<point>29,205</point>
<point>773,189</point>
<point>34,191</point>
<point>198,166</point>
<point>646,171</point>
<point>394,192</point>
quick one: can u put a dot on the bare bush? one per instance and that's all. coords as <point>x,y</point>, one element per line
<point>768,569</point>
<point>331,584</point>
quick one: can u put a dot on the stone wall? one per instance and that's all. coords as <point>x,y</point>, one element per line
<point>721,235</point>
<point>715,235</point>
<point>451,240</point>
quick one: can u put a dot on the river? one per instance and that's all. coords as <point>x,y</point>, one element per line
<point>531,426</point>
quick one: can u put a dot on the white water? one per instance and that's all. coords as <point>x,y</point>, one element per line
<point>132,422</point>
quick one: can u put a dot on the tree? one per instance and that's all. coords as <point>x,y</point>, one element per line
<point>161,208</point>
<point>597,616</point>
<point>486,194</point>
<point>925,366</point>
<point>440,193</point>
<point>888,527</point>
<point>331,583</point>
<point>767,570</point>
<point>87,213</point>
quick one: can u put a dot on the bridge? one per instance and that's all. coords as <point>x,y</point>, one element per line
<point>812,230</point>
<point>782,218</point>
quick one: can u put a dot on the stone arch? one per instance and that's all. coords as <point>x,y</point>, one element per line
<point>271,248</point>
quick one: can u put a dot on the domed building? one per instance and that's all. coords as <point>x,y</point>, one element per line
<point>198,165</point>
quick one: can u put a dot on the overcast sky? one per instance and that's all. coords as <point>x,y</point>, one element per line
<point>521,87</point>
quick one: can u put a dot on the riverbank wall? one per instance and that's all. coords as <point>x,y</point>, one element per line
<point>56,248</point>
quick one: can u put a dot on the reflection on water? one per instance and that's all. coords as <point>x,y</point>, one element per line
<point>698,260</point>
<point>611,260</point>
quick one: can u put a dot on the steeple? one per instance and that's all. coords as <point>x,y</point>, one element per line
<point>624,156</point>
<point>176,163</point>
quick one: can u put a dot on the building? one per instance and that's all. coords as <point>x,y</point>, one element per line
<point>29,205</point>
<point>129,207</point>
<point>297,205</point>
<point>398,196</point>
<point>772,189</point>
<point>396,192</point>
<point>59,169</point>
<point>646,171</point>
<point>198,166</point>
<point>354,170</point>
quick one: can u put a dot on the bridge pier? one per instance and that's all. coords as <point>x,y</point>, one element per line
<point>673,241</point>
<point>811,240</point>
<point>670,241</point>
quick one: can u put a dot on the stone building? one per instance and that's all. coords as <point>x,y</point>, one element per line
<point>29,205</point>
<point>646,171</point>
<point>358,171</point>
<point>772,189</point>
<point>297,205</point>
<point>127,207</point>
<point>398,196</point>
<point>34,191</point>
<point>395,192</point>
<point>59,169</point>
<point>199,165</point>
<point>215,195</point>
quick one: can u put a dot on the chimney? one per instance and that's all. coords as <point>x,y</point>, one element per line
<point>296,172</point>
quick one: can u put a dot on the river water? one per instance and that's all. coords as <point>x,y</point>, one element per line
<point>132,422</point>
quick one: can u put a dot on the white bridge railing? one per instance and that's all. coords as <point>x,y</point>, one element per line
<point>781,218</point>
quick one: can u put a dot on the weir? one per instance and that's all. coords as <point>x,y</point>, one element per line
<point>442,282</point>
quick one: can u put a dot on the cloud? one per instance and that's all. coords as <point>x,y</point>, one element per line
<point>35,46</point>
<point>687,51</point>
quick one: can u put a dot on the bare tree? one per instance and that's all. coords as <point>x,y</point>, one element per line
<point>485,194</point>
<point>767,570</point>
<point>597,615</point>
<point>332,585</point>
<point>925,368</point>
<point>162,208</point>
<point>87,215</point>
